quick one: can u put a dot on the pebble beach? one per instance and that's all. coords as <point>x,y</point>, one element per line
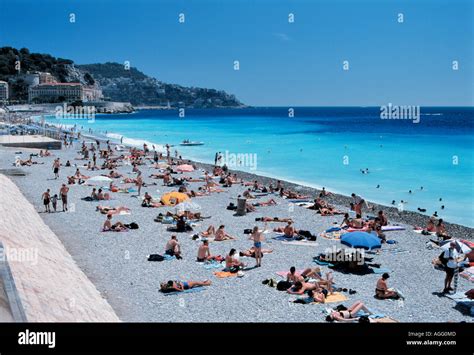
<point>117,264</point>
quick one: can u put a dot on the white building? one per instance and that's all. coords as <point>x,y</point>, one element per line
<point>3,91</point>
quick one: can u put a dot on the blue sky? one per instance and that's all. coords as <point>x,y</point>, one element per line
<point>281,64</point>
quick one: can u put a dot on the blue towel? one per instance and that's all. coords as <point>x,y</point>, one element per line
<point>169,257</point>
<point>212,265</point>
<point>191,290</point>
<point>333,229</point>
<point>282,237</point>
<point>322,263</point>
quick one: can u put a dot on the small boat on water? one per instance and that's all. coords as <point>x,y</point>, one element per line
<point>190,143</point>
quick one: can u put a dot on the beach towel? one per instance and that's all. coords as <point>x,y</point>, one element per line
<point>224,274</point>
<point>213,265</point>
<point>191,290</point>
<point>317,260</point>
<point>336,235</point>
<point>300,243</point>
<point>335,297</point>
<point>282,237</point>
<point>384,229</point>
<point>468,274</point>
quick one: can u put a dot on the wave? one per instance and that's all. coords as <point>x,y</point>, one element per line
<point>138,143</point>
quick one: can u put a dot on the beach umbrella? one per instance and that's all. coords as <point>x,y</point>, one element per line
<point>187,205</point>
<point>361,240</point>
<point>99,180</point>
<point>459,246</point>
<point>185,168</point>
<point>173,198</point>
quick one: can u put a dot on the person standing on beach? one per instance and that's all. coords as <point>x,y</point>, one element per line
<point>215,158</point>
<point>63,193</point>
<point>56,165</point>
<point>257,238</point>
<point>46,199</point>
<point>358,203</point>
<point>139,182</point>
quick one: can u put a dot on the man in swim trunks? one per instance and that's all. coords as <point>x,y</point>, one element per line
<point>204,253</point>
<point>63,193</point>
<point>173,248</point>
<point>293,276</point>
<point>46,200</point>
<point>358,203</point>
<point>56,165</point>
<point>257,238</point>
<point>289,231</point>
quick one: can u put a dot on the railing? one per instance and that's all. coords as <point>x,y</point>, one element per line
<point>14,301</point>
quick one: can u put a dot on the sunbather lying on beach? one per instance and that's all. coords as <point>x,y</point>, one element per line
<point>116,227</point>
<point>149,202</point>
<point>315,273</point>
<point>313,296</point>
<point>300,287</point>
<point>291,194</point>
<point>273,219</point>
<point>179,286</point>
<point>270,202</point>
<point>349,314</point>
<point>221,234</point>
<point>112,210</point>
<point>251,252</point>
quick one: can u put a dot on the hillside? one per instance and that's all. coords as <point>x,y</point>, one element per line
<point>117,82</point>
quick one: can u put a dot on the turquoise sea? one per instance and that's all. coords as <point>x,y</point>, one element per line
<point>326,147</point>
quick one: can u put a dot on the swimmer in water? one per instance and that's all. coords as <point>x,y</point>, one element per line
<point>378,186</point>
<point>442,207</point>
<point>440,199</point>
<point>409,192</point>
<point>421,188</point>
<point>393,202</point>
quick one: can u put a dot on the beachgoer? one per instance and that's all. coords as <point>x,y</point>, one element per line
<point>180,286</point>
<point>232,264</point>
<point>349,314</point>
<point>173,248</point>
<point>46,200</point>
<point>257,238</point>
<point>116,227</point>
<point>221,234</point>
<point>204,253</point>
<point>63,193</point>
<point>381,289</point>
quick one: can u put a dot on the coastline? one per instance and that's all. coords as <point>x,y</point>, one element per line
<point>412,218</point>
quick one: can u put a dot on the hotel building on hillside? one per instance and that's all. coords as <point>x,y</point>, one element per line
<point>57,92</point>
<point>3,91</point>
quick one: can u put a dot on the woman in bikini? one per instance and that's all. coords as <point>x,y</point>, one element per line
<point>381,289</point>
<point>348,315</point>
<point>180,286</point>
<point>209,232</point>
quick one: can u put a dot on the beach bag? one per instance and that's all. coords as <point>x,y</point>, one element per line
<point>283,285</point>
<point>132,225</point>
<point>247,231</point>
<point>155,257</point>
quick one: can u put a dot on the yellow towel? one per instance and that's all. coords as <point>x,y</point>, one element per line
<point>222,274</point>
<point>335,297</point>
